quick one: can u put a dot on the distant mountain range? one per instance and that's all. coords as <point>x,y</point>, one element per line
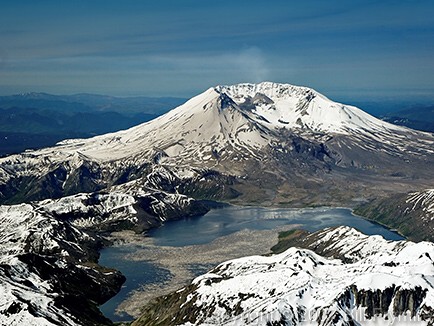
<point>407,113</point>
<point>267,143</point>
<point>262,144</point>
<point>91,103</point>
<point>35,120</point>
<point>420,118</point>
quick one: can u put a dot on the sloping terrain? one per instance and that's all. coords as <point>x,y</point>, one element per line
<point>412,214</point>
<point>282,144</point>
<point>366,280</point>
<point>49,252</point>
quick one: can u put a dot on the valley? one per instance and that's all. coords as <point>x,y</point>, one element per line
<point>286,148</point>
<point>336,276</point>
<point>183,249</point>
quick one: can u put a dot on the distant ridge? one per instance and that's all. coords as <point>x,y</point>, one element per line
<point>281,143</point>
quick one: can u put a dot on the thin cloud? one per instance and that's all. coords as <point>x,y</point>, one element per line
<point>252,64</point>
<point>248,65</point>
<point>3,58</point>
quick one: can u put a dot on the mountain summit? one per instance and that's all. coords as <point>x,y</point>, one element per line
<point>243,116</point>
<point>290,139</point>
<point>295,107</point>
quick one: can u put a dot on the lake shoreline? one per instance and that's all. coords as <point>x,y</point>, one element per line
<point>176,259</point>
<point>179,260</point>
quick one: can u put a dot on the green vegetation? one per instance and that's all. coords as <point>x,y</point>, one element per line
<point>396,214</point>
<point>287,239</point>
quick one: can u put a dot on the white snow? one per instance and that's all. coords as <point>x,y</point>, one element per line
<point>423,200</point>
<point>299,283</point>
<point>217,125</point>
<point>23,229</point>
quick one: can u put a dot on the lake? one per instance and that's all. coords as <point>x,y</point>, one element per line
<point>216,224</point>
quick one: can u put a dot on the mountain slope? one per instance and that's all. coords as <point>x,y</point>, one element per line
<point>282,143</point>
<point>374,281</point>
<point>49,251</point>
<point>47,271</point>
<point>412,213</point>
<point>37,120</point>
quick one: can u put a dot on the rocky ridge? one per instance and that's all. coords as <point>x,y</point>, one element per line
<point>48,271</point>
<point>365,279</point>
<point>270,143</point>
<point>49,251</point>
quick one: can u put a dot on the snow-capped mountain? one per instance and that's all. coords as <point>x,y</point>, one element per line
<point>411,213</point>
<point>241,116</point>
<point>138,209</point>
<point>266,133</point>
<point>46,272</point>
<point>373,281</point>
<point>49,251</point>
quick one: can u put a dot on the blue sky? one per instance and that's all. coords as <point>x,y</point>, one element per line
<point>345,49</point>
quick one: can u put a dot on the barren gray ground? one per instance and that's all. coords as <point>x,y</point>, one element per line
<point>180,261</point>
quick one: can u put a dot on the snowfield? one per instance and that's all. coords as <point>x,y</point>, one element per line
<point>47,252</point>
<point>373,282</point>
<point>248,143</point>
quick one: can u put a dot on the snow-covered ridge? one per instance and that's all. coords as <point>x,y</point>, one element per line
<point>349,244</point>
<point>382,283</point>
<point>134,205</point>
<point>202,126</point>
<point>35,250</point>
<point>296,107</point>
<point>44,241</point>
<point>26,229</point>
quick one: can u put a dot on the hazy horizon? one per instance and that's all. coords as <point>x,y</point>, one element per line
<point>356,96</point>
<point>374,49</point>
